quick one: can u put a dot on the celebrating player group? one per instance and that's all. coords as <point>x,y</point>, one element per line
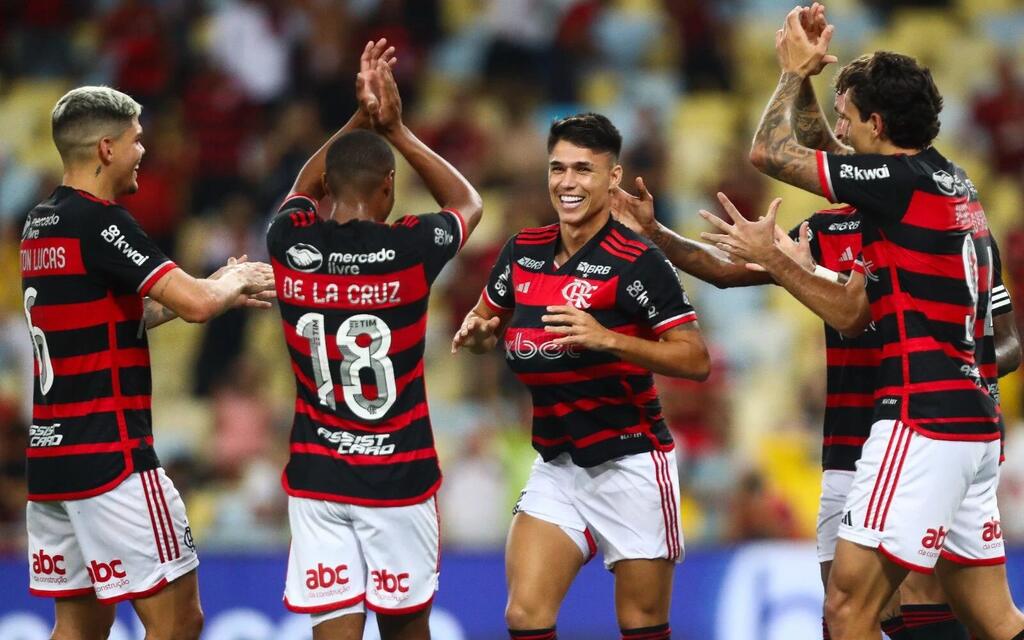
<point>905,276</point>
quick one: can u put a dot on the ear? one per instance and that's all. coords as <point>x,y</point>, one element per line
<point>389,183</point>
<point>616,176</point>
<point>105,150</point>
<point>877,126</point>
<point>326,185</point>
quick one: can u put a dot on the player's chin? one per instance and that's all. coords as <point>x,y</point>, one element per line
<point>132,187</point>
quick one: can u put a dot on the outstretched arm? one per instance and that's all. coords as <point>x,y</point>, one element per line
<point>842,306</point>
<point>699,259</point>
<point>450,188</point>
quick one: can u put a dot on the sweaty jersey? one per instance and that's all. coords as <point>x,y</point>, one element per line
<point>927,284</point>
<point>353,300</point>
<point>852,363</point>
<point>86,266</point>
<point>591,404</point>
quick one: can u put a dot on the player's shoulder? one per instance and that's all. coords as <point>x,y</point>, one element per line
<point>536,235</point>
<point>628,245</point>
<point>843,218</point>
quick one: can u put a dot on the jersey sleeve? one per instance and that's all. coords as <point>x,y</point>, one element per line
<point>812,231</point>
<point>439,235</point>
<point>119,250</point>
<point>1000,296</point>
<point>498,294</point>
<point>650,290</point>
<point>297,210</point>
<point>880,186</point>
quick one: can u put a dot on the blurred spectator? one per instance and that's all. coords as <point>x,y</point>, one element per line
<point>1000,115</point>
<point>472,498</point>
<point>758,513</point>
<point>249,40</point>
<point>705,37</point>
<point>242,417</point>
<point>646,156</point>
<point>132,35</point>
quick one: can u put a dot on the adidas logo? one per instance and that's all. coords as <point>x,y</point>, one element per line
<point>848,519</point>
<point>846,255</point>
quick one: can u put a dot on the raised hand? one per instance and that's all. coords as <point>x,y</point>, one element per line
<point>387,118</point>
<point>797,51</point>
<point>367,80</point>
<point>749,241</point>
<point>636,212</point>
<point>475,333</point>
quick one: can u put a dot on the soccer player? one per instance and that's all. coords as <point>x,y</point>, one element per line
<point>587,309</point>
<point>353,295</point>
<point>105,523</point>
<point>923,496</point>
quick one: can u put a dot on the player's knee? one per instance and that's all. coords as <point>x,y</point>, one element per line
<point>97,629</point>
<point>528,615</point>
<point>636,615</point>
<point>840,610</point>
<point>192,625</point>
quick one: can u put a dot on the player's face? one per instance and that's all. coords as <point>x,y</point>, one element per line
<point>850,130</point>
<point>127,154</point>
<point>580,181</point>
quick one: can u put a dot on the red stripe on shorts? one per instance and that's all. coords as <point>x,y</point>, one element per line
<point>878,478</point>
<point>167,512</point>
<point>152,517</point>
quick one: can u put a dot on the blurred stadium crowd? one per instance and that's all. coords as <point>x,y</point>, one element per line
<point>238,93</point>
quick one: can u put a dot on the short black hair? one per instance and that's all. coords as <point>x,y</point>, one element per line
<point>900,90</point>
<point>588,130</point>
<point>358,161</point>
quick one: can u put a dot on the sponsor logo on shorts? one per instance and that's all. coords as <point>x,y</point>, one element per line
<point>326,577</point>
<point>188,540</point>
<point>848,519</point>
<point>992,535</point>
<point>47,568</point>
<point>390,586</point>
<point>107,576</point>
<point>932,542</point>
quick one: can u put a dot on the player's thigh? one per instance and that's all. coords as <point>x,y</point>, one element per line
<point>56,565</point>
<point>835,489</point>
<point>541,561</point>
<point>135,538</point>
<point>632,506</point>
<point>326,574</point>
<point>825,568</point>
<point>174,611</point>
<point>402,551</point>
<point>410,626</point>
<point>82,618</point>
<point>981,599</point>
<point>643,592</point>
<point>339,625</point>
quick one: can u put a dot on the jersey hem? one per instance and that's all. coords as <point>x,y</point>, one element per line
<point>361,502</point>
<point>85,493</point>
<point>952,437</point>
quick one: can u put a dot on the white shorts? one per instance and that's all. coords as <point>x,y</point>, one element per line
<point>344,557</point>
<point>916,499</point>
<point>835,487</point>
<point>627,507</point>
<point>126,543</point>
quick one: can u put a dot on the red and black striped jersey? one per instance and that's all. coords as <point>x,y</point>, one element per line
<point>928,286</point>
<point>591,404</point>
<point>852,363</point>
<point>353,301</point>
<point>86,266</point>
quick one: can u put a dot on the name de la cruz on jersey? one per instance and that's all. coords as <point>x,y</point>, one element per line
<point>352,291</point>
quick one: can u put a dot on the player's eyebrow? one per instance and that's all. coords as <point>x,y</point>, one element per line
<point>580,164</point>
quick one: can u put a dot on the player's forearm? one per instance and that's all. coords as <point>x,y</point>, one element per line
<point>686,358</point>
<point>449,187</point>
<point>310,178</point>
<point>210,298</point>
<point>844,307</point>
<point>704,261</point>
<point>155,314</point>
<point>809,124</point>
<point>1007,341</point>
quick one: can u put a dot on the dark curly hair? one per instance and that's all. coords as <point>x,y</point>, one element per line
<point>588,130</point>
<point>898,89</point>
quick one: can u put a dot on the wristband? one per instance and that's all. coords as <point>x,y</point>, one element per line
<point>828,274</point>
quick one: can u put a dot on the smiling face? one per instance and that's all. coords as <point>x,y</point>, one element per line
<point>580,182</point>
<point>126,154</point>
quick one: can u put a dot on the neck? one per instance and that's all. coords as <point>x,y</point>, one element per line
<point>350,209</point>
<point>575,236</point>
<point>889,149</point>
<point>86,179</point>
